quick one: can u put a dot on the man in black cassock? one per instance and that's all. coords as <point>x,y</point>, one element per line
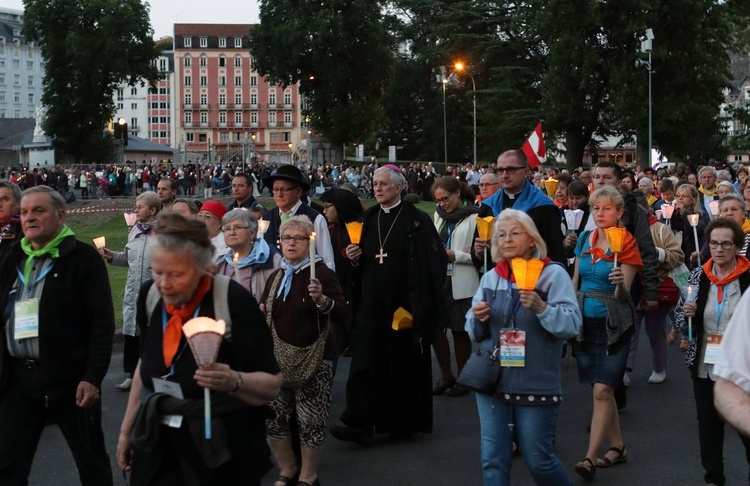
<point>400,262</point>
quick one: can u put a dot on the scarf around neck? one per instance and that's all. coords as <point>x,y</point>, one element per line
<point>289,269</point>
<point>742,266</point>
<point>707,192</point>
<point>629,254</point>
<point>257,256</point>
<point>458,215</point>
<point>50,249</point>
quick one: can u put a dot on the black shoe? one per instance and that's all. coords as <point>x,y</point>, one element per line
<point>352,434</point>
<point>443,385</point>
<point>347,353</point>
<point>457,391</point>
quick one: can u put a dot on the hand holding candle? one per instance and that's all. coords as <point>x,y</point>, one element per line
<point>262,227</point>
<point>100,243</point>
<point>354,229</point>
<point>484,228</point>
<point>693,220</point>
<point>667,210</point>
<point>236,262</point>
<point>312,255</point>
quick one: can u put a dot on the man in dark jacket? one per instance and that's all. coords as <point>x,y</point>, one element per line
<point>10,221</point>
<point>55,342</point>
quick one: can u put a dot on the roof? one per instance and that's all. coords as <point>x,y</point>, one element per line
<point>13,126</point>
<point>6,31</point>
<point>136,144</point>
<point>206,30</point>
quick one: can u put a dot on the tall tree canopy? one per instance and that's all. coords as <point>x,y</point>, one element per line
<point>338,50</point>
<point>88,48</point>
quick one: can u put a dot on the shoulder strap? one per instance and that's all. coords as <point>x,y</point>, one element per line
<point>221,302</point>
<point>152,298</point>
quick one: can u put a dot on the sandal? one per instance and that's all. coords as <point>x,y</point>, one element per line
<point>442,385</point>
<point>285,480</point>
<point>586,469</point>
<point>621,457</point>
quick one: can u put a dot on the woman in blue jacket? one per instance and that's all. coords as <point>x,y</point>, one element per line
<point>529,393</point>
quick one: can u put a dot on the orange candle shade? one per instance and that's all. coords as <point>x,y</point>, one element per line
<point>551,186</point>
<point>615,238</point>
<point>354,229</point>
<point>527,272</point>
<point>484,227</point>
<point>402,320</point>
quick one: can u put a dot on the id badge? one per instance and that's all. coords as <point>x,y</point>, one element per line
<point>175,390</point>
<point>513,348</point>
<point>26,319</point>
<point>449,271</point>
<point>713,341</point>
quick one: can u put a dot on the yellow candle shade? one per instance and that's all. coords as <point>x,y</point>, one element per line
<point>551,186</point>
<point>484,227</point>
<point>527,272</point>
<point>100,242</point>
<point>354,229</point>
<point>402,319</point>
<point>615,238</point>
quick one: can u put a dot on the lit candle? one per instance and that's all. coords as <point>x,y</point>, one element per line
<point>236,261</point>
<point>667,210</point>
<point>312,255</point>
<point>693,220</point>
<point>100,242</point>
<point>690,319</point>
<point>262,227</point>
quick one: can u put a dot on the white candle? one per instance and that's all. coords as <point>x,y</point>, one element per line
<point>312,255</point>
<point>690,319</point>
<point>236,260</point>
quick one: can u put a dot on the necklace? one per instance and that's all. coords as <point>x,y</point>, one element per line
<point>382,242</point>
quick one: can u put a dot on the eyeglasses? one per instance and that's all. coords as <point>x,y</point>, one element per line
<point>725,245</point>
<point>206,216</point>
<point>296,239</point>
<point>281,190</point>
<point>234,229</point>
<point>508,170</point>
<point>445,199</point>
<point>490,183</point>
<point>513,235</point>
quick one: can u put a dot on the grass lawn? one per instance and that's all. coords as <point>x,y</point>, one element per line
<point>111,225</point>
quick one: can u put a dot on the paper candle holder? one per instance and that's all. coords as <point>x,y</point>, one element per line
<point>693,219</point>
<point>262,227</point>
<point>484,227</point>
<point>527,272</point>
<point>615,238</point>
<point>130,219</point>
<point>204,336</point>
<point>573,218</point>
<point>713,206</point>
<point>667,210</point>
<point>354,228</point>
<point>551,186</point>
<point>100,242</point>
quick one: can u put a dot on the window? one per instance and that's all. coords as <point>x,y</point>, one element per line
<point>133,106</point>
<point>162,64</point>
<point>188,99</point>
<point>222,80</point>
<point>254,98</point>
<point>222,99</point>
<point>238,117</point>
<point>222,42</point>
<point>238,99</point>
<point>30,81</point>
<point>2,112</point>
<point>204,99</point>
<point>202,137</point>
<point>188,117</point>
<point>287,136</point>
<point>222,117</point>
<point>164,119</point>
<point>271,117</point>
<point>32,114</point>
<point>154,105</point>
<point>287,117</point>
<point>2,78</point>
<point>238,80</point>
<point>238,61</point>
<point>187,61</point>
<point>204,61</point>
<point>120,94</point>
<point>133,91</point>
<point>188,81</point>
<point>16,64</point>
<point>31,98</point>
<point>272,99</point>
<point>164,105</point>
<point>187,42</point>
<point>163,135</point>
<point>254,117</point>
<point>16,97</point>
<point>163,91</point>
<point>30,65</point>
<point>134,122</point>
<point>287,98</point>
<point>274,137</point>
<point>154,119</point>
<point>154,134</point>
<point>120,106</point>
<point>204,117</point>
<point>236,136</point>
<point>222,61</point>
<point>204,81</point>
<point>224,137</point>
<point>238,42</point>
<point>17,79</point>
<point>18,113</point>
<point>2,96</point>
<point>253,80</point>
<point>253,65</point>
<point>189,137</point>
<point>203,42</point>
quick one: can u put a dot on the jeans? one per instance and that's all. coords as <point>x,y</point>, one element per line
<point>535,427</point>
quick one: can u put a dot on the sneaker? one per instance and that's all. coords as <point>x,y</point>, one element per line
<point>657,377</point>
<point>626,379</point>
<point>125,385</point>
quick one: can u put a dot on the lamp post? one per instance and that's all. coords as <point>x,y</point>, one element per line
<point>123,136</point>
<point>291,159</point>
<point>647,47</point>
<point>443,79</point>
<point>461,67</point>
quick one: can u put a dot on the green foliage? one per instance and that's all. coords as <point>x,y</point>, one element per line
<point>339,52</point>
<point>88,48</point>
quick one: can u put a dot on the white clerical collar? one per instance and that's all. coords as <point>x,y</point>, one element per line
<point>388,209</point>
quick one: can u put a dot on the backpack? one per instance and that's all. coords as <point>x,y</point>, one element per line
<point>220,291</point>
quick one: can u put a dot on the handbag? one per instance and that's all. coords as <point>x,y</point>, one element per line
<point>668,293</point>
<point>481,373</point>
<point>298,364</point>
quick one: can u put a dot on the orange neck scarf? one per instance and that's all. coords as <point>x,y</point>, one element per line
<point>742,266</point>
<point>629,254</point>
<point>173,331</point>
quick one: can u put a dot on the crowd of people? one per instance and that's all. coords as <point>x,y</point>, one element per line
<point>522,265</point>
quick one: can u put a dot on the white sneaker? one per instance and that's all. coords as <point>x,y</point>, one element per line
<point>626,379</point>
<point>657,377</point>
<point>125,385</point>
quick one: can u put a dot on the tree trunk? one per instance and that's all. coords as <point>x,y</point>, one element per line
<point>575,146</point>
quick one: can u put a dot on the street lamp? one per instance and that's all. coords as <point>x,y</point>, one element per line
<point>443,79</point>
<point>291,160</point>
<point>646,47</point>
<point>461,67</point>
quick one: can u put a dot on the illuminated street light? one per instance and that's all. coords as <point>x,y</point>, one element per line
<point>461,67</point>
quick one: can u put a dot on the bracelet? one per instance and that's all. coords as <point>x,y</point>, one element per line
<point>238,385</point>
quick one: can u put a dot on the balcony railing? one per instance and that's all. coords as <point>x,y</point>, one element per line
<point>253,106</point>
<point>188,124</point>
<point>222,124</point>
<point>271,106</point>
<point>237,124</point>
<point>272,124</point>
<point>288,124</point>
<point>222,106</point>
<point>188,106</point>
<point>253,124</point>
<point>204,124</point>
<point>238,106</point>
<point>288,106</point>
<point>204,106</point>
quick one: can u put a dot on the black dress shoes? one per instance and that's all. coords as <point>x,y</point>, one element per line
<point>347,433</point>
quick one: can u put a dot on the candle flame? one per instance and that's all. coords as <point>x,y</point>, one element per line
<point>236,257</point>
<point>312,237</point>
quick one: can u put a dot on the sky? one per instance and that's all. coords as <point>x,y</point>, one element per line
<point>166,13</point>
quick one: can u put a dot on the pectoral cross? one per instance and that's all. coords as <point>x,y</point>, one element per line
<point>380,256</point>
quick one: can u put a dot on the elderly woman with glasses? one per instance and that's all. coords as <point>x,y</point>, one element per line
<point>299,310</point>
<point>714,291</point>
<point>255,259</point>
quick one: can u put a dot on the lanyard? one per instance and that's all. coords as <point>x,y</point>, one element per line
<point>720,306</point>
<point>450,233</point>
<point>164,321</point>
<point>39,279</point>
<point>516,306</point>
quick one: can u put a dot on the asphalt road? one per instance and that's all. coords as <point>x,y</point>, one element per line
<point>659,427</point>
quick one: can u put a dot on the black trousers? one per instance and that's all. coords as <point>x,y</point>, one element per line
<point>130,353</point>
<point>711,432</point>
<point>23,414</point>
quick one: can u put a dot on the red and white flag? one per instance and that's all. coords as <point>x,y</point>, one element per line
<point>534,148</point>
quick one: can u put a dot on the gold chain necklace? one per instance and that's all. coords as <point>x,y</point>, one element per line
<point>382,242</point>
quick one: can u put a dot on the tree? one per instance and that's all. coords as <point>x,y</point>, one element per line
<point>88,48</point>
<point>340,53</point>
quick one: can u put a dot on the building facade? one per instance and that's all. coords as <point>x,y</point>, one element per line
<point>224,110</point>
<point>21,68</point>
